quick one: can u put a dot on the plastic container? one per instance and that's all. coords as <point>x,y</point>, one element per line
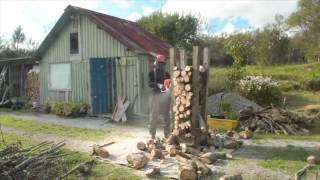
<point>225,124</point>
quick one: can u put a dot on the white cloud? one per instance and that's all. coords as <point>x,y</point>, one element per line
<point>134,16</point>
<point>34,16</point>
<point>147,10</point>
<point>229,28</point>
<point>257,12</point>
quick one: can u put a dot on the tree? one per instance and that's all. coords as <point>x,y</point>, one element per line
<point>18,37</point>
<point>176,29</point>
<point>272,43</point>
<point>306,22</point>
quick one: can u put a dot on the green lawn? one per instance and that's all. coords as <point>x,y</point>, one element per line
<point>72,132</point>
<point>102,170</point>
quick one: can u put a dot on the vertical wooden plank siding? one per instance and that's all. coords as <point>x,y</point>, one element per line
<point>93,42</point>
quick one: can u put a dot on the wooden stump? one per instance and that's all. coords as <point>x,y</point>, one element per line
<point>137,160</point>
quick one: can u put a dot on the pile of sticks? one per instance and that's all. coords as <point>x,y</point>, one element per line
<point>33,85</point>
<point>182,95</point>
<point>35,162</point>
<point>274,120</point>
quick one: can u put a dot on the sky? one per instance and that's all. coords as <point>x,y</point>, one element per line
<point>37,17</point>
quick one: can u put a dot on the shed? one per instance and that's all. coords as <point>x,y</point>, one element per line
<point>14,71</point>
<point>95,58</point>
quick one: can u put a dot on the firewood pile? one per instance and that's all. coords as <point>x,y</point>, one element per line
<point>193,160</point>
<point>32,85</point>
<point>182,95</point>
<point>29,163</point>
<point>274,120</point>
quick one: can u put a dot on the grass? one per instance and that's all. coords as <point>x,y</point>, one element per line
<point>102,170</point>
<point>298,100</point>
<point>289,159</point>
<point>285,159</point>
<point>18,112</point>
<point>72,132</point>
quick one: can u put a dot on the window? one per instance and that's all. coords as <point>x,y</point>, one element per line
<point>60,76</point>
<point>74,43</point>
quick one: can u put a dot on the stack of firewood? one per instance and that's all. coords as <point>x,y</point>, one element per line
<point>274,120</point>
<point>182,94</point>
<point>36,162</point>
<point>32,85</point>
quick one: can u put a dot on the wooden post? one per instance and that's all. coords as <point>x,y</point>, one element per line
<point>206,65</point>
<point>182,59</point>
<point>195,89</point>
<point>172,64</point>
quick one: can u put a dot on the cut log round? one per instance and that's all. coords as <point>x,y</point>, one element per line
<point>152,173</point>
<point>184,73</point>
<point>142,146</point>
<point>137,160</point>
<point>187,68</point>
<point>212,157</point>
<point>172,150</point>
<point>186,79</point>
<point>187,87</point>
<point>176,73</point>
<point>100,151</point>
<point>156,154</point>
<point>182,108</point>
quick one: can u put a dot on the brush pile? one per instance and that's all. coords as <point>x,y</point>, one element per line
<point>35,162</point>
<point>182,95</point>
<point>274,120</point>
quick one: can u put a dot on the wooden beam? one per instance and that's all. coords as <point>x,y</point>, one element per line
<point>182,59</point>
<point>195,89</point>
<point>206,65</point>
<point>172,64</point>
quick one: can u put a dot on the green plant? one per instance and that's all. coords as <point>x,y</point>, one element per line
<point>235,48</point>
<point>262,90</point>
<point>70,109</point>
<point>227,110</point>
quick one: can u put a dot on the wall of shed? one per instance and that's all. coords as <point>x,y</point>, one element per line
<point>94,42</point>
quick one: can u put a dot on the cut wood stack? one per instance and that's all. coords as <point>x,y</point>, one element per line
<point>33,86</point>
<point>182,94</point>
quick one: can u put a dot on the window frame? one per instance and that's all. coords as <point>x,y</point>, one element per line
<point>49,80</point>
<point>71,50</point>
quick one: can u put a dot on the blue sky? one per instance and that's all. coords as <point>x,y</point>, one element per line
<point>222,16</point>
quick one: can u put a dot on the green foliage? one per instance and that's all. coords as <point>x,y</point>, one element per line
<point>306,22</point>
<point>69,109</point>
<point>227,110</point>
<point>176,29</point>
<point>263,90</point>
<point>235,48</point>
<point>18,37</point>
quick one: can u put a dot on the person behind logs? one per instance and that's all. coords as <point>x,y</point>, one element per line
<point>159,81</point>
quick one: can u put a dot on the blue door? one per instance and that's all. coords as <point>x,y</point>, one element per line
<point>102,78</point>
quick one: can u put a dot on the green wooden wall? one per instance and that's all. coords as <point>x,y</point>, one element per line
<point>94,42</point>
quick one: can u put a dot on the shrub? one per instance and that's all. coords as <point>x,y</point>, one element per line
<point>70,109</point>
<point>263,90</point>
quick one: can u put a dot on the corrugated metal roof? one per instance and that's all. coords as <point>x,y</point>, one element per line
<point>131,34</point>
